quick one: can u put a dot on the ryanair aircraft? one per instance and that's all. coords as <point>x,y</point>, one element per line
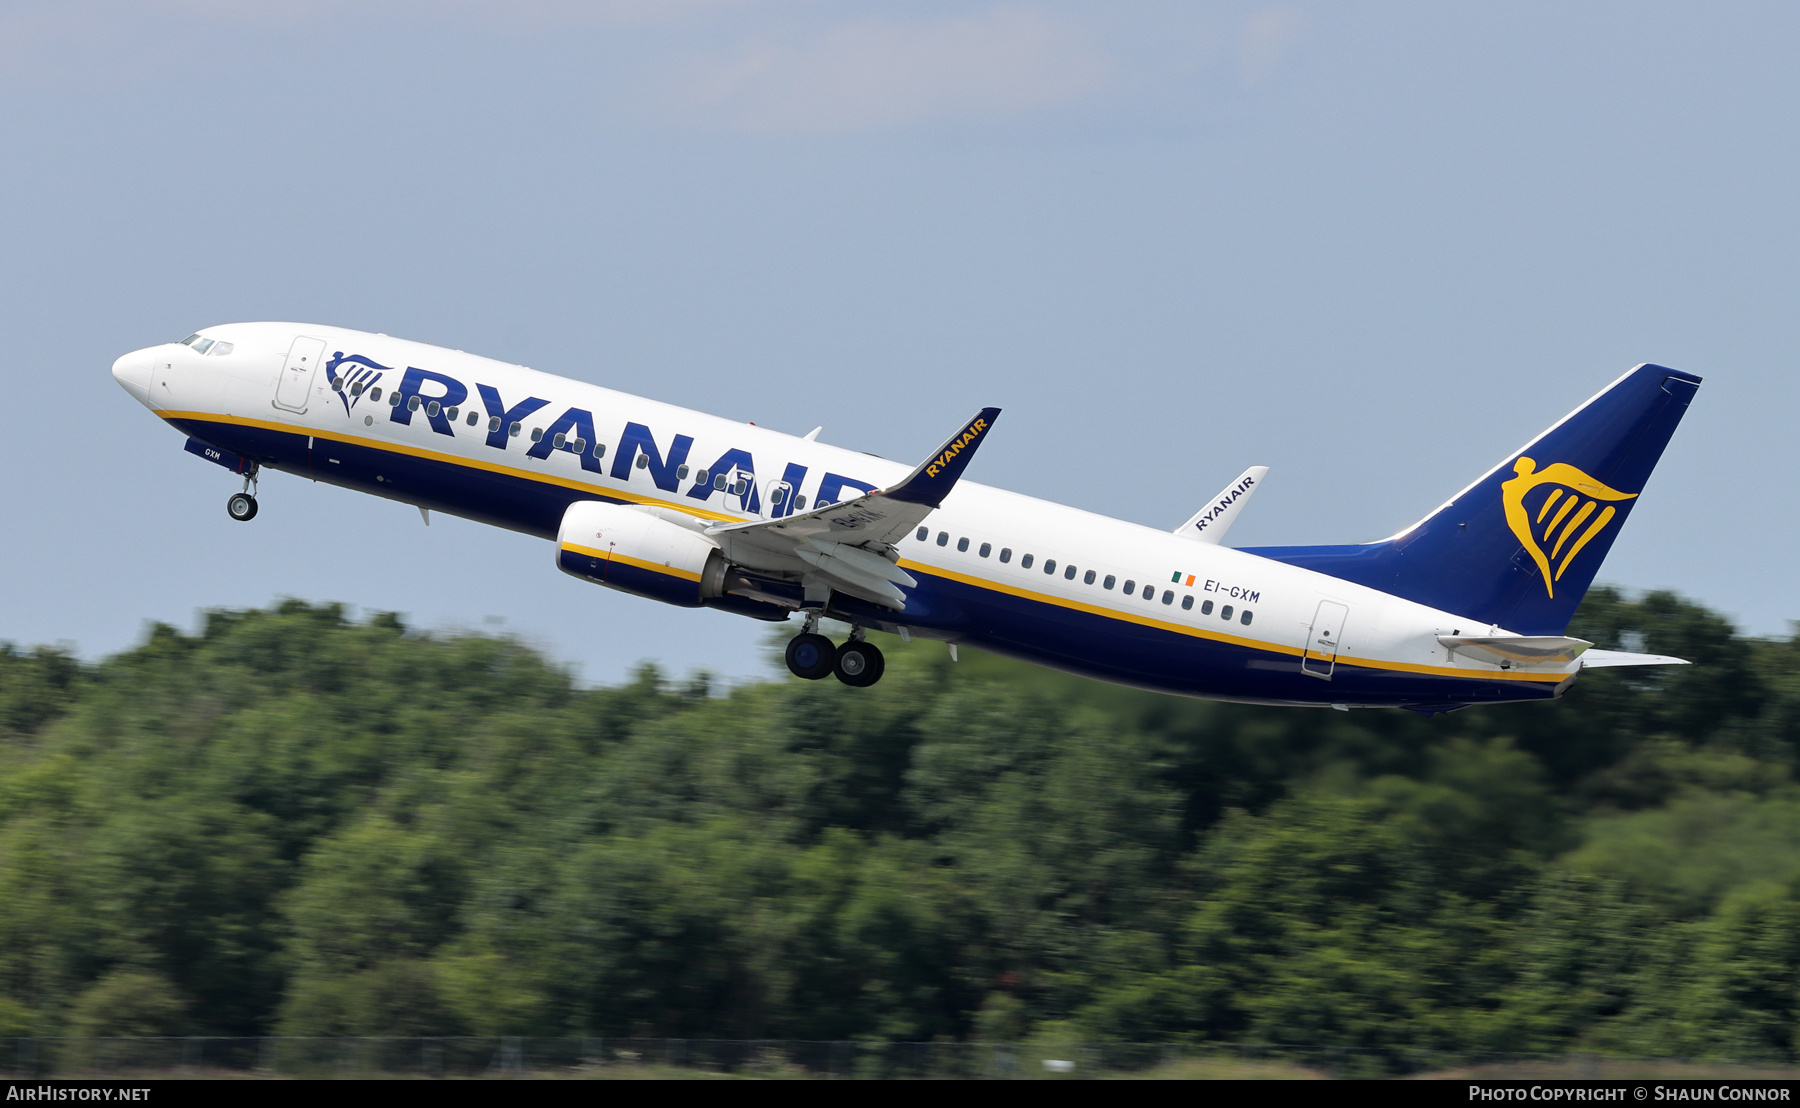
<point>1467,606</point>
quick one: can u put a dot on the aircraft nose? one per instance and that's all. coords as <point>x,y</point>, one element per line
<point>133,372</point>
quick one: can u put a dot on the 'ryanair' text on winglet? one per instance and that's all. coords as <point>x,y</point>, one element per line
<point>938,474</point>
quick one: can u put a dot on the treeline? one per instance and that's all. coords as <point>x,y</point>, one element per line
<point>294,823</point>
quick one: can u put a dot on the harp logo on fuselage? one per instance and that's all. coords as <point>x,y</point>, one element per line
<point>1565,520</point>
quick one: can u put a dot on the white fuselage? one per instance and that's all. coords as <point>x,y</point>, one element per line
<point>1254,617</point>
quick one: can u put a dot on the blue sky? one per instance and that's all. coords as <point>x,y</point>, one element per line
<point>1373,246</point>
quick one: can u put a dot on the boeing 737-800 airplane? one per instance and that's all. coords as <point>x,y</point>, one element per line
<point>1469,605</point>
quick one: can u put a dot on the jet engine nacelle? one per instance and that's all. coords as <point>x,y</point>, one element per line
<point>633,551</point>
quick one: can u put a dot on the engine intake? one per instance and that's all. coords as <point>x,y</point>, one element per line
<point>633,551</point>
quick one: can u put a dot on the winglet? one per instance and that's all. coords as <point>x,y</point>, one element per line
<point>1211,522</point>
<point>938,474</point>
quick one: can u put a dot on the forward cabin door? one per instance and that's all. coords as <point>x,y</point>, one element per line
<point>1322,641</point>
<point>295,384</point>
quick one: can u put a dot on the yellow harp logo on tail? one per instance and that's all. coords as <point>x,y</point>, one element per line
<point>1557,520</point>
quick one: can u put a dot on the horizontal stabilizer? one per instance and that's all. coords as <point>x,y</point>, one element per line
<point>1600,659</point>
<point>1517,650</point>
<point>1211,522</point>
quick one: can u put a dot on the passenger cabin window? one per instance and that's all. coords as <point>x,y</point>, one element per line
<point>558,441</point>
<point>986,549</point>
<point>701,478</point>
<point>431,409</point>
<point>1069,574</point>
<point>394,399</point>
<point>1005,554</point>
<point>1130,587</point>
<point>1225,613</point>
<point>1168,596</point>
<point>1025,562</point>
<point>1049,565</point>
<point>718,481</point>
<point>1206,608</point>
<point>1187,603</point>
<point>451,413</point>
<point>537,433</point>
<point>681,473</point>
<point>1245,618</point>
<point>1088,578</point>
<point>799,502</point>
<point>412,403</point>
<point>375,394</point>
<point>514,430</point>
<point>493,424</point>
<point>962,546</point>
<point>1150,593</point>
<point>943,538</point>
<point>924,532</point>
<point>1108,583</point>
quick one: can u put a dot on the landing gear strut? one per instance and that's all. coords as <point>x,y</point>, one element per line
<point>242,505</point>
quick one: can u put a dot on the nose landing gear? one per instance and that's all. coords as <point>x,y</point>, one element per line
<point>811,656</point>
<point>242,505</point>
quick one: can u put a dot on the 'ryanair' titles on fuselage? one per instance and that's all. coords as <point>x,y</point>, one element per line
<point>440,397</point>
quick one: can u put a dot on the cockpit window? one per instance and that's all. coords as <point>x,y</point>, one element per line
<point>205,345</point>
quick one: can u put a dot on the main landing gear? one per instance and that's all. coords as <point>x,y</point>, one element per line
<point>242,505</point>
<point>812,656</point>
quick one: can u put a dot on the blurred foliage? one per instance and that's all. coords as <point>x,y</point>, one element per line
<point>292,822</point>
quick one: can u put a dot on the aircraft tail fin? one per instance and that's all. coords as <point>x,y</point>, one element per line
<point>1519,547</point>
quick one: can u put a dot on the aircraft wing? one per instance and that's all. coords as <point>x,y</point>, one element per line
<point>1210,523</point>
<point>850,545</point>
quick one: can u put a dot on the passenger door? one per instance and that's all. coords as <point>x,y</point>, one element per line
<point>1323,639</point>
<point>294,387</point>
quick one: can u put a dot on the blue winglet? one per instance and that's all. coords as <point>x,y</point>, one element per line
<point>938,474</point>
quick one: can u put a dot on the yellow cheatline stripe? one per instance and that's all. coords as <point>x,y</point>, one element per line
<point>1218,636</point>
<point>452,459</point>
<point>611,556</point>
